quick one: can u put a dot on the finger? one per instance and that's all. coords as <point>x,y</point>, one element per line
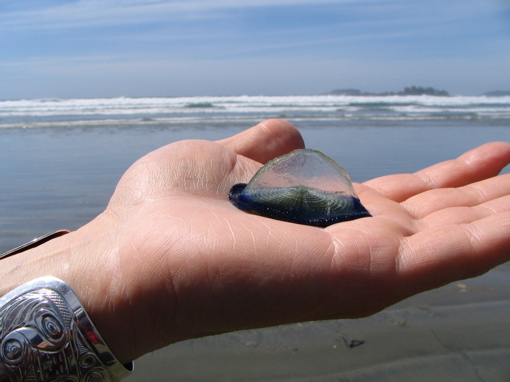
<point>478,164</point>
<point>465,215</point>
<point>444,254</point>
<point>265,141</point>
<point>385,209</point>
<point>474,194</point>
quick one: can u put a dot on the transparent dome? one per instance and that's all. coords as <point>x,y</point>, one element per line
<point>305,167</point>
<point>304,187</point>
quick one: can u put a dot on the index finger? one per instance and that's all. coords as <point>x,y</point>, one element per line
<point>478,164</point>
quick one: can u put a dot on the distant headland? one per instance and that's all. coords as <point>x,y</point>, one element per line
<point>409,91</point>
<point>497,93</point>
<point>413,91</point>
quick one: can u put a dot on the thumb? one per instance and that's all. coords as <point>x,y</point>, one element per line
<point>265,141</point>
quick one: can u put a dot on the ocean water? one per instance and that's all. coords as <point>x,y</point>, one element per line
<point>238,110</point>
<point>61,159</point>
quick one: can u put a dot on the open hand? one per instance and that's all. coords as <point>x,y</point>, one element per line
<point>172,259</point>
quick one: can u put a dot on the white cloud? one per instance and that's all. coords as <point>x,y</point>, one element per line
<point>156,50</point>
<point>116,12</point>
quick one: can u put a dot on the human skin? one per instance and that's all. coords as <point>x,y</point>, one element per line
<point>171,259</point>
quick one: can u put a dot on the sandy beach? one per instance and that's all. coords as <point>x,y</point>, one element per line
<point>455,333</point>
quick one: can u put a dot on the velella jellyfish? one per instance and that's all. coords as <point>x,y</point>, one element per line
<point>304,187</point>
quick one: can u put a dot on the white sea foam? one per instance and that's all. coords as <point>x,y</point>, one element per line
<point>44,112</point>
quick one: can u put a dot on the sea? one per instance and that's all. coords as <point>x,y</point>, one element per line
<point>182,112</point>
<point>60,160</point>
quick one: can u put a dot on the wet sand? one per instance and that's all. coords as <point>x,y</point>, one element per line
<point>52,179</point>
<point>460,332</point>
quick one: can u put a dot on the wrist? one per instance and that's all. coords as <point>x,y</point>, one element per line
<point>80,259</point>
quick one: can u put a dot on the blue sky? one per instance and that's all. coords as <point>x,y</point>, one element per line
<point>110,48</point>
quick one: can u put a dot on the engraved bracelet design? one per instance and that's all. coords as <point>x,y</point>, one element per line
<point>46,335</point>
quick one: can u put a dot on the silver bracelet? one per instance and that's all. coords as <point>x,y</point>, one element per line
<point>46,335</point>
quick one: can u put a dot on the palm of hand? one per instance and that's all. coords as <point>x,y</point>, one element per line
<point>222,269</point>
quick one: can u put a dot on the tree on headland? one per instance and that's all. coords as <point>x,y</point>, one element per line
<point>418,90</point>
